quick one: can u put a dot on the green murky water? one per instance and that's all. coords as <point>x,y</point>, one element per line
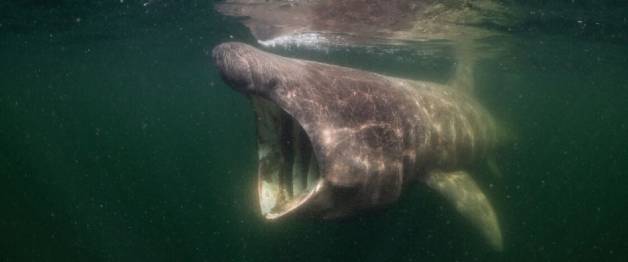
<point>119,142</point>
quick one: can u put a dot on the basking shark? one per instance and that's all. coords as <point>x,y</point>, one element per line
<point>335,141</point>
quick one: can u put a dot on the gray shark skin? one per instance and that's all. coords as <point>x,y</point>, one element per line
<point>335,141</point>
<point>387,24</point>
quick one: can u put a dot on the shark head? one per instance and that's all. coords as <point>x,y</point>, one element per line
<point>322,146</point>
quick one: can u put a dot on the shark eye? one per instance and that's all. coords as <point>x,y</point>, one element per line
<point>272,83</point>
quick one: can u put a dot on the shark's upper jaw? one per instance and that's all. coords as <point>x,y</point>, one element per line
<point>288,172</point>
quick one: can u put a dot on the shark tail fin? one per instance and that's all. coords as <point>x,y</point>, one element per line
<point>460,190</point>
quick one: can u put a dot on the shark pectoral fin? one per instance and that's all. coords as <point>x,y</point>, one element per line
<point>459,188</point>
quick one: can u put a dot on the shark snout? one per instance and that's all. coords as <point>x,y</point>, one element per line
<point>233,62</point>
<point>250,70</point>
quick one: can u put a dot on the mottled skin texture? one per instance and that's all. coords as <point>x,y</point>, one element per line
<point>370,133</point>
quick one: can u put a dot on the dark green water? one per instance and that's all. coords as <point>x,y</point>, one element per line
<point>119,142</point>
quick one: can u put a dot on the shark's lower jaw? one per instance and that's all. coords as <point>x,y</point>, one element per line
<point>288,173</point>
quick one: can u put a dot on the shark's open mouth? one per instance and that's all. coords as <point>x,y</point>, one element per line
<point>288,170</point>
